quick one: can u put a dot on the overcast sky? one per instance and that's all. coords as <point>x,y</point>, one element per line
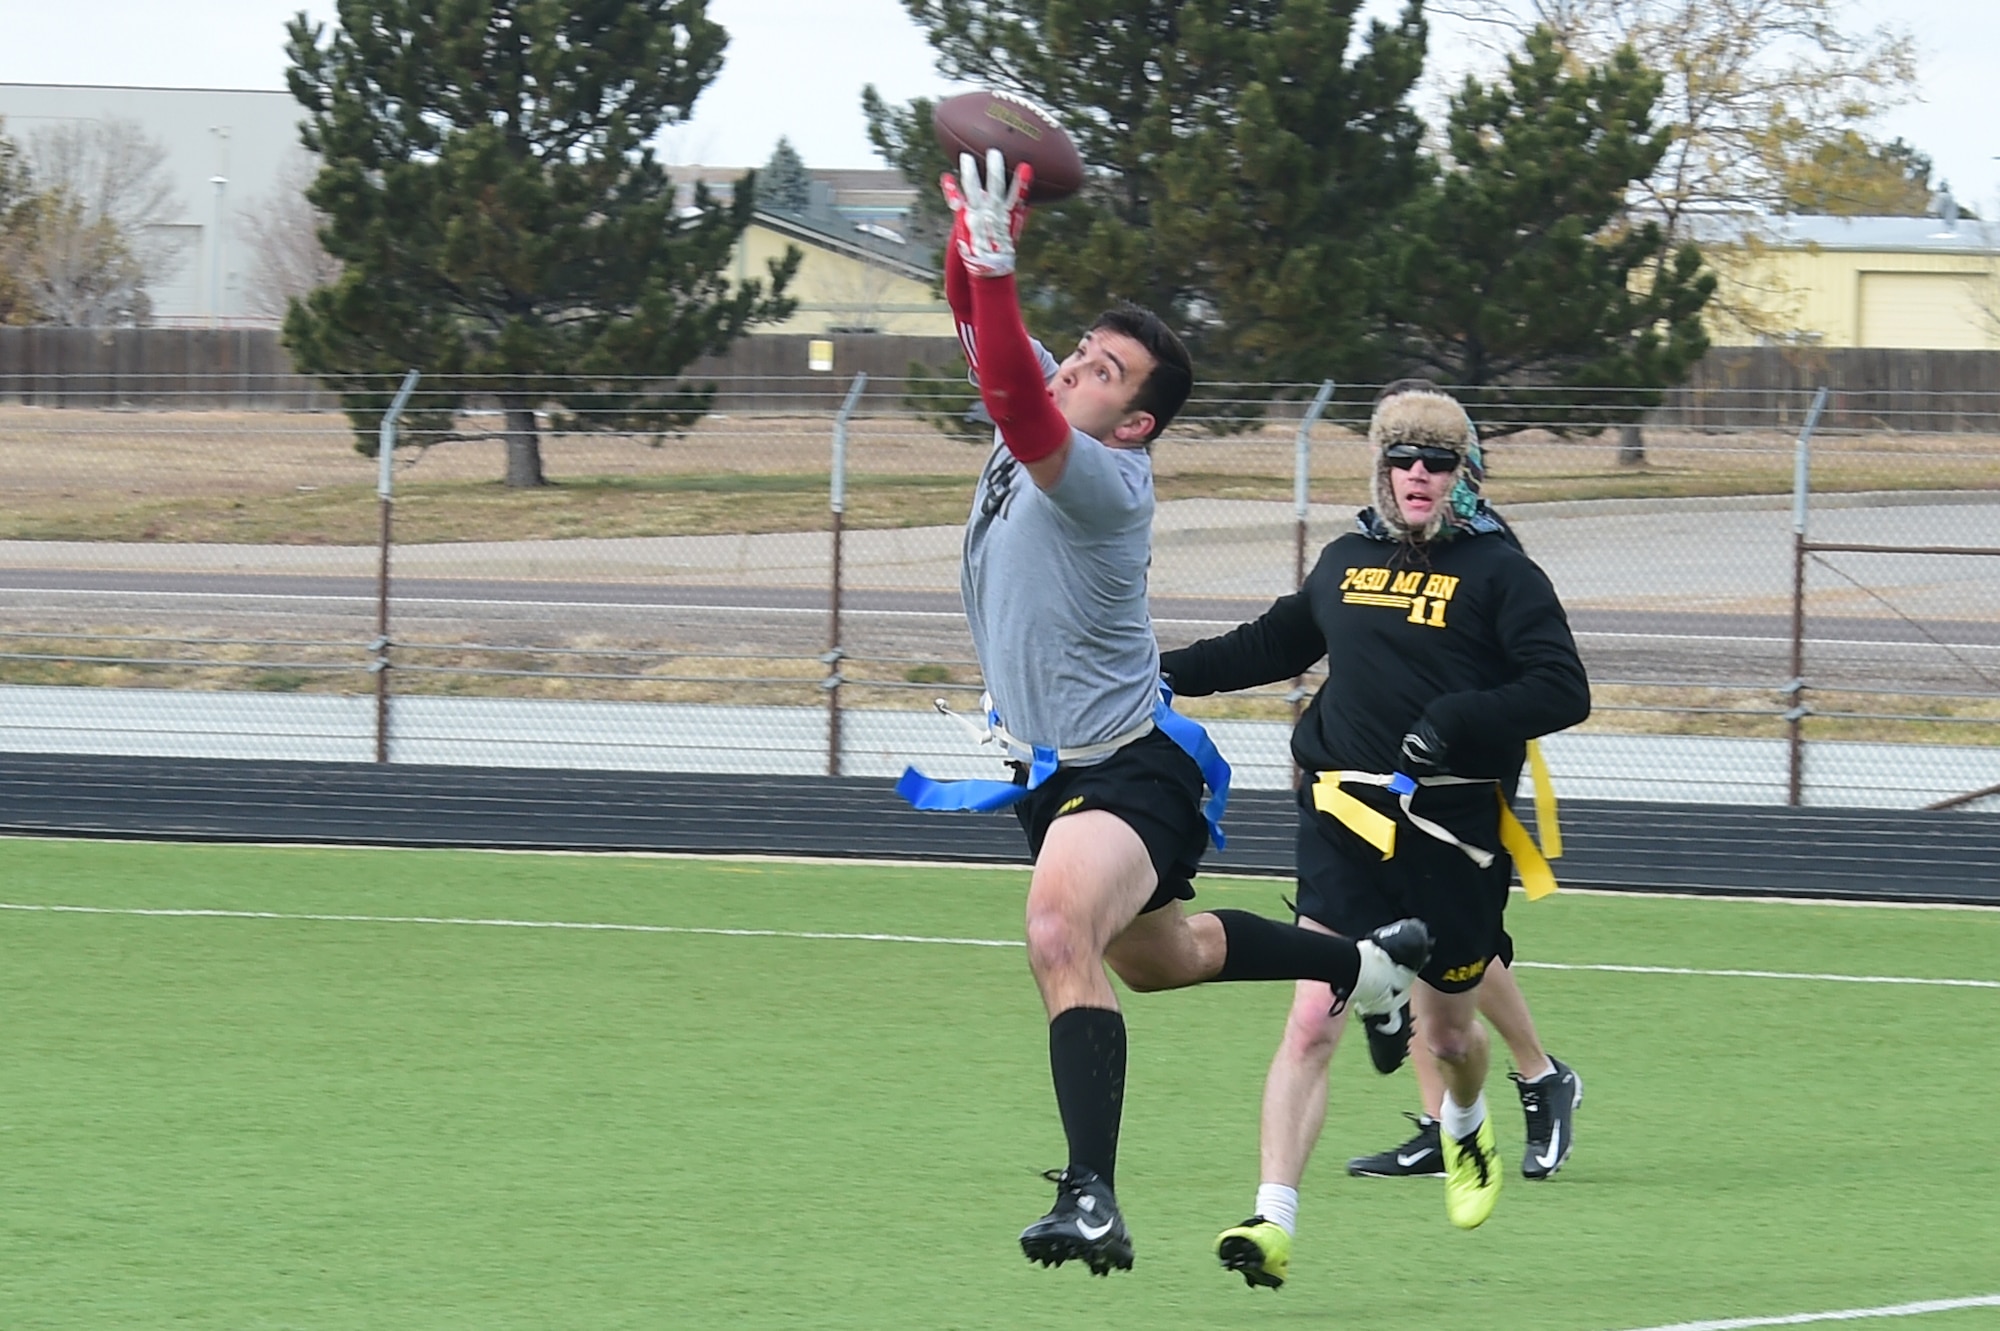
<point>796,68</point>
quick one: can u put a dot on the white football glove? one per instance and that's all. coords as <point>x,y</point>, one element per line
<point>989,220</point>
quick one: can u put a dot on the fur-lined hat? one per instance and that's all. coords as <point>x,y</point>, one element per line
<point>1428,416</point>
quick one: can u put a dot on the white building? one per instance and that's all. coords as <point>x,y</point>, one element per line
<point>225,152</point>
<point>229,153</point>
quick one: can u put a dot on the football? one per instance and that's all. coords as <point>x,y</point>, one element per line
<point>972,122</point>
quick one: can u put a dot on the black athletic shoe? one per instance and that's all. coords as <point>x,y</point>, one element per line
<point>1388,1039</point>
<point>1390,959</point>
<point>1408,942</point>
<point>1083,1226</point>
<point>1549,1102</point>
<point>1422,1156</point>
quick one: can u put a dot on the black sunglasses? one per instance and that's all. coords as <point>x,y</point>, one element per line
<point>1437,461</point>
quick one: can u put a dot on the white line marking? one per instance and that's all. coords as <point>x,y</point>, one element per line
<point>1841,1315</point>
<point>1781,642</point>
<point>588,926</point>
<point>168,595</point>
<point>1757,975</point>
<point>607,927</point>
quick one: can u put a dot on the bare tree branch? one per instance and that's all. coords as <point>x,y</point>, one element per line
<point>101,208</point>
<point>1752,87</point>
<point>282,235</point>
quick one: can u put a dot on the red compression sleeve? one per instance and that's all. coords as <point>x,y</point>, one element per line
<point>958,292</point>
<point>1010,375</point>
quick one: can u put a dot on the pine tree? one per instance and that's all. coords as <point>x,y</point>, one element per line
<point>1240,163</point>
<point>501,224</point>
<point>784,183</point>
<point>1522,266</point>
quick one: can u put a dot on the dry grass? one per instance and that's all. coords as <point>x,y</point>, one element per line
<point>1885,718</point>
<point>263,477</point>
<point>591,667</point>
<point>602,670</point>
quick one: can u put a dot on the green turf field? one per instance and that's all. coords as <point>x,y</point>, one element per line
<point>215,1121</point>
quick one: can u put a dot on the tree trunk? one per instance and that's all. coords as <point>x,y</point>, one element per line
<point>524,449</point>
<point>1631,446</point>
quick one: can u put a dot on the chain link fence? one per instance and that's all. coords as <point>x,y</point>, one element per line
<point>704,590</point>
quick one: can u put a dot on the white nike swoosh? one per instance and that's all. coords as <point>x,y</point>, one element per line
<point>1554,1153</point>
<point>1407,1160</point>
<point>1091,1233</point>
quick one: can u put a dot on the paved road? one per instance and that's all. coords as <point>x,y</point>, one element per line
<point>127,590</point>
<point>1661,591</point>
<point>1639,644</point>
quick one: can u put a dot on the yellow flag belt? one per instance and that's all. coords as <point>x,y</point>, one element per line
<point>1379,829</point>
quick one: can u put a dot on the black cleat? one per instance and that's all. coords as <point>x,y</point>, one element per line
<point>1422,1156</point>
<point>1408,943</point>
<point>1388,1039</point>
<point>1083,1226</point>
<point>1549,1102</point>
<point>1390,959</point>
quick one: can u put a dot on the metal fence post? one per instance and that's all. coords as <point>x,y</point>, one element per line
<point>1302,513</point>
<point>834,654</point>
<point>378,665</point>
<point>1795,691</point>
<point>1302,479</point>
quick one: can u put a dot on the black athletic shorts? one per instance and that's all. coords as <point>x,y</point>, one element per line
<point>1346,885</point>
<point>1153,786</point>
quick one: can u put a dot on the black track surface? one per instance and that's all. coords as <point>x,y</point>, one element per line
<point>1717,849</point>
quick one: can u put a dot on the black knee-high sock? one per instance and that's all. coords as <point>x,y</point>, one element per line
<point>1087,1058</point>
<point>1267,949</point>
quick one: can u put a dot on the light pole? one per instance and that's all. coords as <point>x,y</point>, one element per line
<point>221,184</point>
<point>219,242</point>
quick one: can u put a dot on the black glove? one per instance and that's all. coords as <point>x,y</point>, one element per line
<point>1423,750</point>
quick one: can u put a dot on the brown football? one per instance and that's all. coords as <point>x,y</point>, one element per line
<point>972,122</point>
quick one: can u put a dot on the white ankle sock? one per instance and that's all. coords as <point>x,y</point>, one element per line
<point>1279,1204</point>
<point>1461,1121</point>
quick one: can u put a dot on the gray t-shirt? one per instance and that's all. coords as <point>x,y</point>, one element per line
<point>1054,583</point>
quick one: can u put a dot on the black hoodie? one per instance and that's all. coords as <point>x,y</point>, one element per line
<point>1465,632</point>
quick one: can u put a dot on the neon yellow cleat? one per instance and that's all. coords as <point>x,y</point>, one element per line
<point>1471,1176</point>
<point>1257,1250</point>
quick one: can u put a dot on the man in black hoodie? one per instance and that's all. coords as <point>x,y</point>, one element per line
<point>1447,651</point>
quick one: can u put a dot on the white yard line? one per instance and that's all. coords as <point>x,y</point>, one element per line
<point>587,926</point>
<point>1756,975</point>
<point>599,926</point>
<point>1839,1315</point>
<point>1213,881</point>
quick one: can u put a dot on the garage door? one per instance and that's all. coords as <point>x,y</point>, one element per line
<point>1937,310</point>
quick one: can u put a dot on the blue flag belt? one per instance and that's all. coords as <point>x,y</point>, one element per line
<point>986,796</point>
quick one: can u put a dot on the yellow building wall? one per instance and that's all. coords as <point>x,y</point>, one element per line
<point>1853,298</point>
<point>836,291</point>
